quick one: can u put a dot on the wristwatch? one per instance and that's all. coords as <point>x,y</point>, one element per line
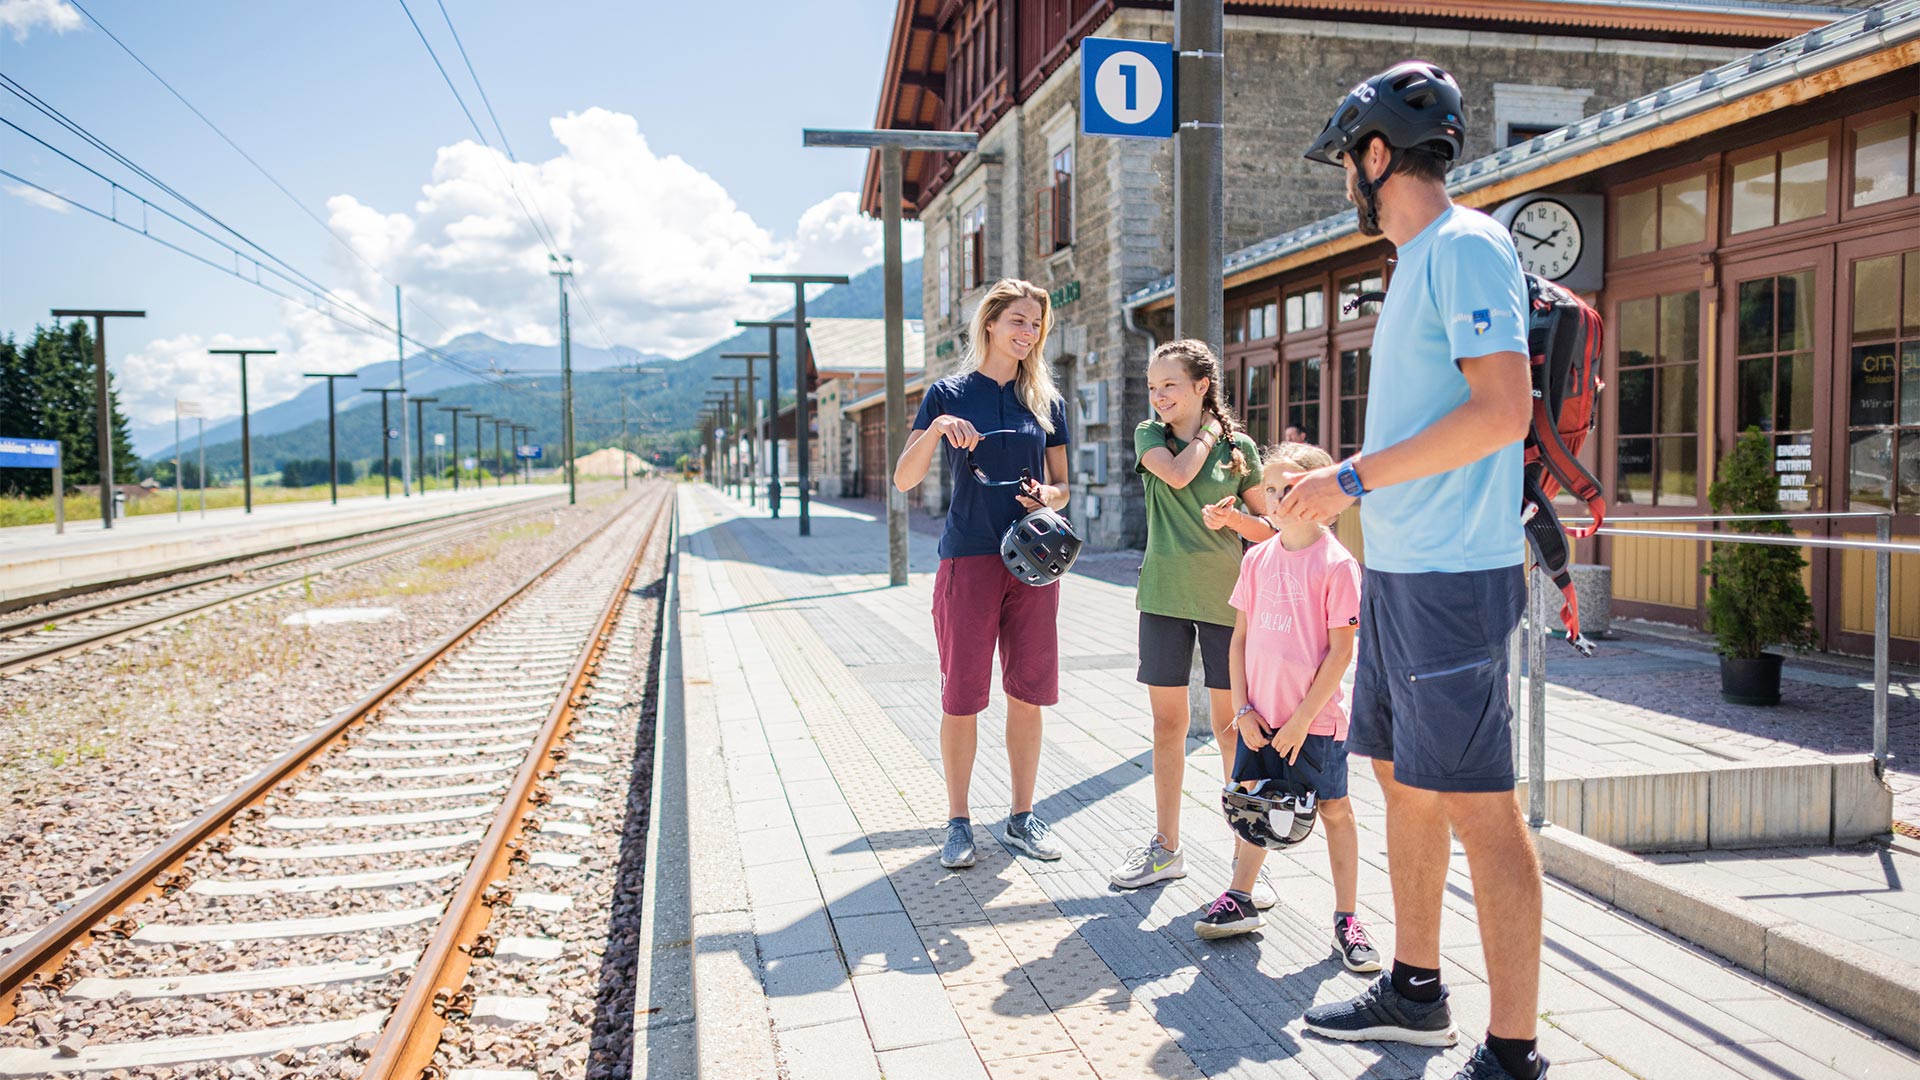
<point>1350,478</point>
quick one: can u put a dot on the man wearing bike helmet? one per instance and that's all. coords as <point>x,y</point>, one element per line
<point>1438,480</point>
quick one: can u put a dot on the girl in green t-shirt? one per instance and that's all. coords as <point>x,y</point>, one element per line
<point>1195,463</point>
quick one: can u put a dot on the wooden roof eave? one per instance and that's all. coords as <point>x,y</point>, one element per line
<point>1729,21</point>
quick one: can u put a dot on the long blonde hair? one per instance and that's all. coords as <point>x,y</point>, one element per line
<point>1034,381</point>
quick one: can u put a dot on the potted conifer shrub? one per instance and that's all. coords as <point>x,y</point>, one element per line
<point>1755,598</point>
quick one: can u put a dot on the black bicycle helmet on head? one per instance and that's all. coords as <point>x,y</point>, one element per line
<point>1413,105</point>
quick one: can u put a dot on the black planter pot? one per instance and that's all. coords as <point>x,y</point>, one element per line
<point>1750,682</point>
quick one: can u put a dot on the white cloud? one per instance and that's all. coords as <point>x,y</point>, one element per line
<point>662,254</point>
<point>37,198</point>
<point>21,16</point>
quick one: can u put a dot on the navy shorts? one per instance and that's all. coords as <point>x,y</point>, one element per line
<point>1321,759</point>
<point>1430,688</point>
<point>1166,651</point>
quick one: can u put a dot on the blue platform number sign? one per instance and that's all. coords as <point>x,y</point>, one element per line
<point>1126,88</point>
<point>29,453</point>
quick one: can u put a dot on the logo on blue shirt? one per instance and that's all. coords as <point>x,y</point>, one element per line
<point>1482,321</point>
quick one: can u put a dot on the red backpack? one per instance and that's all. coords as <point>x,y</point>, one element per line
<point>1566,339</point>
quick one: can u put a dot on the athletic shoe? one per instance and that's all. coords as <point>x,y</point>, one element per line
<point>1146,865</point>
<point>1356,950</point>
<point>1226,917</point>
<point>1484,1066</point>
<point>958,852</point>
<point>1380,1012</point>
<point>1262,892</point>
<point>1026,832</point>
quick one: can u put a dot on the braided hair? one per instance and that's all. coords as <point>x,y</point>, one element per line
<point>1200,363</point>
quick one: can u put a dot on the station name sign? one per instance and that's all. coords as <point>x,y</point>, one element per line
<point>29,453</point>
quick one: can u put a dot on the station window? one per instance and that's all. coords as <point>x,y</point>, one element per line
<point>1775,189</point>
<point>1063,197</point>
<point>1303,397</point>
<point>1886,160</point>
<point>1306,310</point>
<point>1658,421</point>
<point>1666,215</point>
<point>1356,369</point>
<point>973,253</point>
<point>1259,411</point>
<point>1883,400</point>
<point>1775,342</point>
<point>1350,290</point>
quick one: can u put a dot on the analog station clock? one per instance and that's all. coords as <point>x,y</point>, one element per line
<point>1548,237</point>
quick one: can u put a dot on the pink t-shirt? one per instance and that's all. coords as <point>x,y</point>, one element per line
<point>1291,599</point>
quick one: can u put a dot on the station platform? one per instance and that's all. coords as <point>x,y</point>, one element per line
<point>826,940</point>
<point>36,561</point>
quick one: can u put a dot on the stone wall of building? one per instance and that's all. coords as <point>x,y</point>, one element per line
<point>1284,77</point>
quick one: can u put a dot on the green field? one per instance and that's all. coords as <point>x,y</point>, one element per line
<point>16,511</point>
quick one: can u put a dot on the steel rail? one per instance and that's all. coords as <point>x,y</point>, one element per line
<point>55,651</point>
<point>53,596</point>
<point>407,1043</point>
<point>302,552</point>
<point>41,956</point>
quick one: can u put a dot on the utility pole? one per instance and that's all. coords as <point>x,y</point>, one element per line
<point>246,429</point>
<point>386,457</point>
<point>892,146</point>
<point>479,452</point>
<point>736,403</point>
<point>400,345</point>
<point>453,422</point>
<point>333,440</point>
<point>1199,170</point>
<point>499,465</point>
<point>420,439</point>
<point>753,423</point>
<point>802,371</point>
<point>623,442</point>
<point>520,433</point>
<point>723,471</point>
<point>562,269</point>
<point>102,398</point>
<point>773,408</point>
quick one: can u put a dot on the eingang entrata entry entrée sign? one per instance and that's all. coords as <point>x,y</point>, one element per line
<point>1126,88</point>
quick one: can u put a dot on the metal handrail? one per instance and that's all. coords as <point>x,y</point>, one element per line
<point>1542,590</point>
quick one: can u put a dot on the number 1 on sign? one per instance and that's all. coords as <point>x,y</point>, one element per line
<point>1130,75</point>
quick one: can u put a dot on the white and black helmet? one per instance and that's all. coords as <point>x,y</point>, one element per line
<point>1040,548</point>
<point>1276,814</point>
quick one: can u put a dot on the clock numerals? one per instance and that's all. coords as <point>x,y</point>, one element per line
<point>1548,237</point>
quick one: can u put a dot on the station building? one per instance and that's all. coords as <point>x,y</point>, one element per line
<point>846,439</point>
<point>1090,219</point>
<point>1751,236</point>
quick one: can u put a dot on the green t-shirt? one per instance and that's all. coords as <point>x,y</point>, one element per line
<point>1190,569</point>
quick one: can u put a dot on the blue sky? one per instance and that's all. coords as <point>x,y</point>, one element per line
<point>661,140</point>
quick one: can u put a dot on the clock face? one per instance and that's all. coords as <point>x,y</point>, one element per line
<point>1548,238</point>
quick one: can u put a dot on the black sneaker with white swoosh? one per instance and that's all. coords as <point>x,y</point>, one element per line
<point>1484,1066</point>
<point>1382,1013</point>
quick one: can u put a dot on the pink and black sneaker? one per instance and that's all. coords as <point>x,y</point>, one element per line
<point>1356,949</point>
<point>1232,914</point>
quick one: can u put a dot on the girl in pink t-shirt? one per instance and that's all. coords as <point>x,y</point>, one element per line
<point>1296,604</point>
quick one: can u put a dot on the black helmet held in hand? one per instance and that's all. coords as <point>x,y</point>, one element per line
<point>1040,548</point>
<point>1412,105</point>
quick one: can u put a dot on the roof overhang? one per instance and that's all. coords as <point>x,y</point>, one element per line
<point>910,90</point>
<point>1675,18</point>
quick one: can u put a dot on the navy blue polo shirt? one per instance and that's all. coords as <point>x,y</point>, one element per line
<point>978,516</point>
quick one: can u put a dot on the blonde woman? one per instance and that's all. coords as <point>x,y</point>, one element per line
<point>1000,419</point>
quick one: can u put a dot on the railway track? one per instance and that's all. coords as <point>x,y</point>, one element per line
<point>30,641</point>
<point>328,909</point>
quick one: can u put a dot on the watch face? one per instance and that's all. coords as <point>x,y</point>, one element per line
<point>1548,238</point>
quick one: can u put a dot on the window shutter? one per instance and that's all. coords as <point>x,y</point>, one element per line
<point>1062,210</point>
<point>1044,222</point>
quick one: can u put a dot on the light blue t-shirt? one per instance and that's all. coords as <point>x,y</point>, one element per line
<point>1457,293</point>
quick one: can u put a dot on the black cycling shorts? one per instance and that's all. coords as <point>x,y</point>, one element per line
<point>1166,651</point>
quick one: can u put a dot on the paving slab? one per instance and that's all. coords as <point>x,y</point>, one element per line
<point>1044,969</point>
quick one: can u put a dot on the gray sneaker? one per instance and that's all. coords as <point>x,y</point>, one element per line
<point>1145,865</point>
<point>1381,1013</point>
<point>958,852</point>
<point>1264,897</point>
<point>1026,832</point>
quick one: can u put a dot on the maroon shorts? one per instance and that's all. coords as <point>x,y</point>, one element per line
<point>977,604</point>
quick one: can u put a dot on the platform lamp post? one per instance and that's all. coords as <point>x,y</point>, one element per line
<point>499,463</point>
<point>419,440</point>
<point>802,370</point>
<point>333,439</point>
<point>737,402</point>
<point>102,399</point>
<point>562,269</point>
<point>722,406</point>
<point>479,451</point>
<point>773,403</point>
<point>892,146</point>
<point>453,422</point>
<point>753,423</point>
<point>387,435</point>
<point>246,429</point>
<point>521,465</point>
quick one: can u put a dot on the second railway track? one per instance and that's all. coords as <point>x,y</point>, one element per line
<point>328,900</point>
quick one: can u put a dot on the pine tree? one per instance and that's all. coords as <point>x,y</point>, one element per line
<point>46,392</point>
